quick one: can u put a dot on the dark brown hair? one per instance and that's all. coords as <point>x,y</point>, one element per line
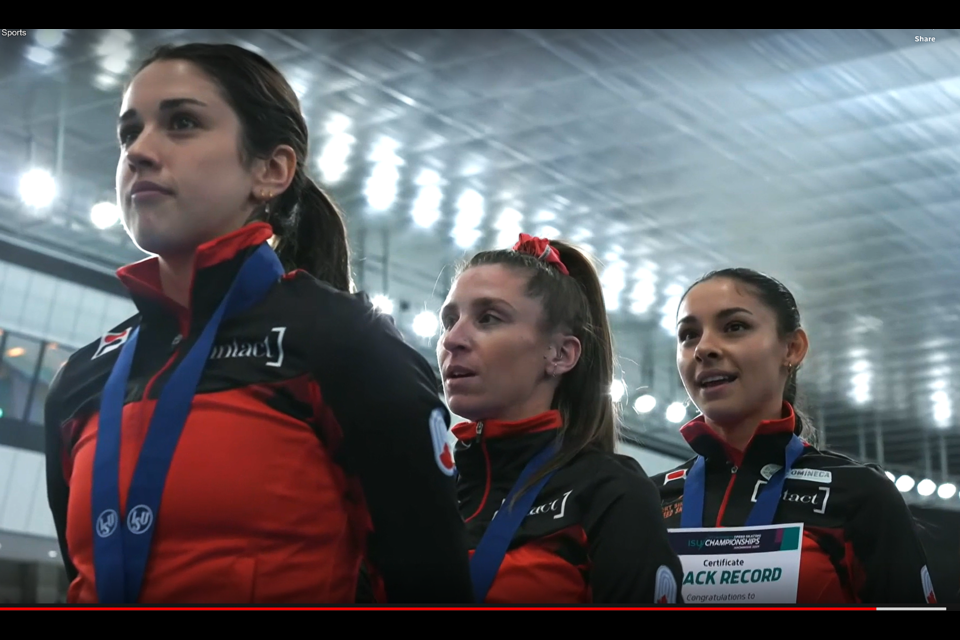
<point>574,304</point>
<point>775,296</point>
<point>310,228</point>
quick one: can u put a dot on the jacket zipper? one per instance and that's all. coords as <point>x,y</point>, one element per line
<point>486,461</point>
<point>726,495</point>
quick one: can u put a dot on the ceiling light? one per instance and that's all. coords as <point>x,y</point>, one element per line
<point>383,303</point>
<point>947,490</point>
<point>38,188</point>
<point>676,412</point>
<point>49,38</point>
<point>645,404</point>
<point>926,487</point>
<point>425,324</point>
<point>617,390</point>
<point>104,215</point>
<point>40,55</point>
<point>905,483</point>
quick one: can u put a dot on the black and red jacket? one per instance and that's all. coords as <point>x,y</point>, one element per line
<point>860,541</point>
<point>594,535</point>
<point>307,449</point>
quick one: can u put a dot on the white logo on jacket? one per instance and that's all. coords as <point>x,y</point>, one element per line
<point>271,348</point>
<point>666,589</point>
<point>111,342</point>
<point>552,506</point>
<point>927,585</point>
<point>811,475</point>
<point>818,500</point>
<point>442,451</point>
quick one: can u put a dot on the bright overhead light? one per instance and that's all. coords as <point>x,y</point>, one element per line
<point>383,303</point>
<point>548,232</point>
<point>106,81</point>
<point>676,412</point>
<point>926,487</point>
<point>645,404</point>
<point>905,483</point>
<point>104,215</point>
<point>426,208</point>
<point>40,55</point>
<point>947,490</point>
<point>617,390</point>
<point>892,477</point>
<point>38,188</point>
<point>425,324</point>
<point>49,38</point>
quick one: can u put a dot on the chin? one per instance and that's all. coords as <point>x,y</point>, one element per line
<point>471,411</point>
<point>721,412</point>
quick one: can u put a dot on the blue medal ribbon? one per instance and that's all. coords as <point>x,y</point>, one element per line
<point>122,544</point>
<point>488,556</point>
<point>765,509</point>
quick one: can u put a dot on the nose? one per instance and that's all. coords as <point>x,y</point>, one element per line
<point>707,348</point>
<point>456,338</point>
<point>142,153</point>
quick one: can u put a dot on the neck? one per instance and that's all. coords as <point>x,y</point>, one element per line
<point>534,406</point>
<point>738,433</point>
<point>176,277</point>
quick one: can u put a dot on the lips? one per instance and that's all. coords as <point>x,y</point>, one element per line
<point>458,373</point>
<point>711,379</point>
<point>145,186</point>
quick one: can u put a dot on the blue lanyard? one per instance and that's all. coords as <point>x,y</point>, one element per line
<point>489,554</point>
<point>765,509</point>
<point>121,546</point>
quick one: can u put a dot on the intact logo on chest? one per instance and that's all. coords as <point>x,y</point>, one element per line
<point>816,497</point>
<point>268,348</point>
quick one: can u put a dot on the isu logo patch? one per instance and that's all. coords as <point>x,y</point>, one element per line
<point>443,454</point>
<point>666,591</point>
<point>927,585</point>
<point>675,475</point>
<point>111,342</point>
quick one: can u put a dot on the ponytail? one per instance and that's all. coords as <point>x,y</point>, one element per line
<point>583,396</point>
<point>312,233</point>
<point>803,427</point>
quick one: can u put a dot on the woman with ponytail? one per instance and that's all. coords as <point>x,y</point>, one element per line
<point>553,515</point>
<point>256,431</point>
<point>812,526</point>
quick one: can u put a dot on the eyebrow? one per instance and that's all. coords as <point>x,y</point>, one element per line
<point>480,302</point>
<point>165,105</point>
<point>726,313</point>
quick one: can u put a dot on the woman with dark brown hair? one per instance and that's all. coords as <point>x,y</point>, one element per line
<point>256,430</point>
<point>554,515</point>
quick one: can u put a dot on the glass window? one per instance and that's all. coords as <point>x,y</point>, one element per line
<point>53,358</point>
<point>18,361</point>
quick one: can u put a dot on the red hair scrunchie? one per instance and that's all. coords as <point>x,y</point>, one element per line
<point>540,248</point>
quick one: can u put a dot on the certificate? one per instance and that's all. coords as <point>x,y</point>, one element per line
<point>739,565</point>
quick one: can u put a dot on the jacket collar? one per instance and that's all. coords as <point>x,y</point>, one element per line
<point>216,265</point>
<point>767,446</point>
<point>503,448</point>
<point>500,429</point>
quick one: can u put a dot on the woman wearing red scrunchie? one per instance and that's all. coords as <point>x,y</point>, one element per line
<point>553,515</point>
